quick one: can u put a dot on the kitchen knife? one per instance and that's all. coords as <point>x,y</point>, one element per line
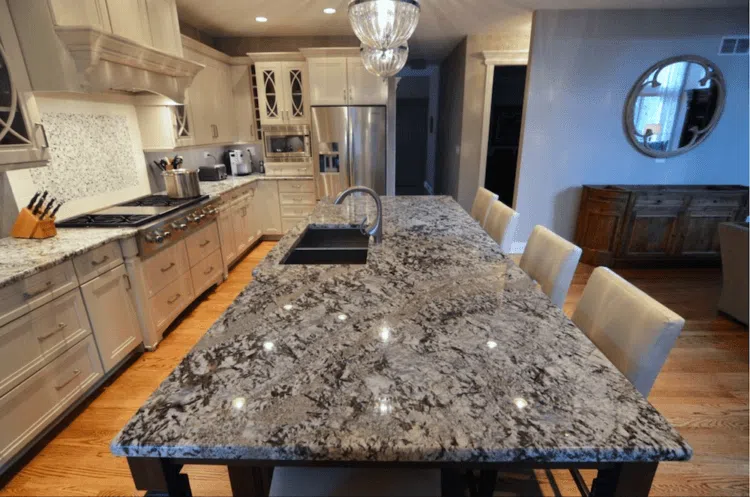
<point>177,161</point>
<point>33,199</point>
<point>40,203</point>
<point>54,212</point>
<point>48,208</point>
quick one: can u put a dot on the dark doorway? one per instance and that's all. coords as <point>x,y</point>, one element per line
<point>412,110</point>
<point>505,131</point>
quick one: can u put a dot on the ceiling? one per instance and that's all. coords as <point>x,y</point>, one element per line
<point>442,22</point>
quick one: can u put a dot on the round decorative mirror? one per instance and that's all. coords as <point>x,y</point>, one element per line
<point>674,106</point>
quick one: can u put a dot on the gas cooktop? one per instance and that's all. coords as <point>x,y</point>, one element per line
<point>133,213</point>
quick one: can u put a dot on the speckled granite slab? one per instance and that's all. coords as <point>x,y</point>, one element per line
<point>21,258</point>
<point>438,349</point>
<point>219,187</point>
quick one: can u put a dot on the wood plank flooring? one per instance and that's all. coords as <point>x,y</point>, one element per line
<point>703,390</point>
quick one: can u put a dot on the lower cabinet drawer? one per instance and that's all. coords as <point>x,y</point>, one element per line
<point>170,301</point>
<point>288,223</point>
<point>296,210</point>
<point>296,186</point>
<point>289,169</point>
<point>98,261</point>
<point>31,341</point>
<point>297,198</point>
<point>164,267</point>
<point>202,243</point>
<point>34,404</point>
<point>207,272</point>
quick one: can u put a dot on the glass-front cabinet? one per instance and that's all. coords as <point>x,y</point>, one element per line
<point>282,92</point>
<point>23,141</point>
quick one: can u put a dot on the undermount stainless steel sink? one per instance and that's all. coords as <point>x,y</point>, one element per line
<point>329,246</point>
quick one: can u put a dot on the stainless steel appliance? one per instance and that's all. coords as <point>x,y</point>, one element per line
<point>348,148</point>
<point>182,183</point>
<point>236,163</point>
<point>287,143</point>
<point>217,172</point>
<point>161,221</point>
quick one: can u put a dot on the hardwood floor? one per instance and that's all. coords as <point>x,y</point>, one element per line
<point>702,390</point>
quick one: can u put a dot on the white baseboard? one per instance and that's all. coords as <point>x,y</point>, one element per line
<point>517,247</point>
<point>428,187</point>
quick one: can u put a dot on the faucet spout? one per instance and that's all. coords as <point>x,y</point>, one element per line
<point>376,230</point>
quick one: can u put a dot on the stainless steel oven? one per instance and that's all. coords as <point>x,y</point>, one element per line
<point>287,143</point>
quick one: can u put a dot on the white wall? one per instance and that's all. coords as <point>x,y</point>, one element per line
<point>583,64</point>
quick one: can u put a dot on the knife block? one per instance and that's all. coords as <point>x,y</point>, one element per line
<point>27,225</point>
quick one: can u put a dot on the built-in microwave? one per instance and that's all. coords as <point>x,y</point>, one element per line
<point>287,143</point>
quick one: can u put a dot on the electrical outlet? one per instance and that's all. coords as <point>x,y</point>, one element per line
<point>206,155</point>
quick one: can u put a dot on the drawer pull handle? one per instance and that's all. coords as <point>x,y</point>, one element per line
<point>208,271</point>
<point>174,299</point>
<point>73,377</point>
<point>206,242</point>
<point>60,327</point>
<point>127,278</point>
<point>28,295</point>
<point>297,186</point>
<point>102,261</point>
<point>165,269</point>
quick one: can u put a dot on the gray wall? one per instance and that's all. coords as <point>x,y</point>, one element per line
<point>583,63</point>
<point>451,119</point>
<point>239,46</point>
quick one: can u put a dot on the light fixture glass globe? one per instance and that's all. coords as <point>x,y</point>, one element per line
<point>384,23</point>
<point>384,63</point>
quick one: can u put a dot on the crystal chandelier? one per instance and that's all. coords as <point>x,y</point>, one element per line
<point>384,24</point>
<point>384,63</point>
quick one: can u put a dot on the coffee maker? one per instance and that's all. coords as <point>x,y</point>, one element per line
<point>236,164</point>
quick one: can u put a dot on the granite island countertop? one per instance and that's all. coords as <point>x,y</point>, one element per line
<point>438,349</point>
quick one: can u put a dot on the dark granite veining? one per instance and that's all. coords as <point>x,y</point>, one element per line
<point>438,349</point>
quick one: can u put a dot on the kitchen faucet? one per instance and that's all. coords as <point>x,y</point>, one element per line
<point>376,230</point>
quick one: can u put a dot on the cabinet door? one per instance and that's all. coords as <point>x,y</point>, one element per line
<point>225,120</point>
<point>109,302</point>
<point>91,13</point>
<point>267,207</point>
<point>201,97</point>
<point>242,102</point>
<point>327,81</point>
<point>270,92</point>
<point>296,92</point>
<point>255,224</point>
<point>129,19</point>
<point>23,142</point>
<point>651,231</point>
<point>226,236</point>
<point>365,88</point>
<point>240,220</point>
<point>699,233</point>
<point>164,27</point>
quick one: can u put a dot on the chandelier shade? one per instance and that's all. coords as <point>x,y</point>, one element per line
<point>384,63</point>
<point>384,24</point>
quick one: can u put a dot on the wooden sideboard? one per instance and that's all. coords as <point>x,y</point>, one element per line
<point>640,225</point>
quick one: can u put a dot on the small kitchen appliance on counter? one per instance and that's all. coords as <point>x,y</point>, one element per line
<point>235,161</point>
<point>217,172</point>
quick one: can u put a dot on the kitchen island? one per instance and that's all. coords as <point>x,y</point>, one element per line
<point>439,351</point>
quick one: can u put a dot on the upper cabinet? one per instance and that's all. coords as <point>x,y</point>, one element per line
<point>81,13</point>
<point>23,142</point>
<point>283,92</point>
<point>129,19</point>
<point>343,81</point>
<point>164,26</point>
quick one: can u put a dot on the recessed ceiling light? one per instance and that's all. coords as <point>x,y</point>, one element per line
<point>261,19</point>
<point>329,10</point>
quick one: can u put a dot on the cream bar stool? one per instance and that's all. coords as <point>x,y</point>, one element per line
<point>289,481</point>
<point>501,224</point>
<point>482,203</point>
<point>633,330</point>
<point>551,261</point>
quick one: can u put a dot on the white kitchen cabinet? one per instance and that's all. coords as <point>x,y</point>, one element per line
<point>111,309</point>
<point>164,26</point>
<point>344,81</point>
<point>244,112</point>
<point>241,221</point>
<point>267,207</point>
<point>81,13</point>
<point>226,235</point>
<point>283,92</point>
<point>129,19</point>
<point>23,141</point>
<point>255,229</point>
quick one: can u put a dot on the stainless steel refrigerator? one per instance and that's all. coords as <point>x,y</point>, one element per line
<point>348,148</point>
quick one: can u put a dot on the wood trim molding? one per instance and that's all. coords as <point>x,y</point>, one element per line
<point>492,58</point>
<point>204,49</point>
<point>330,52</point>
<point>275,56</point>
<point>105,61</point>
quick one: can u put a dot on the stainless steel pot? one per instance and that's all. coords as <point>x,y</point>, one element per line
<point>182,183</point>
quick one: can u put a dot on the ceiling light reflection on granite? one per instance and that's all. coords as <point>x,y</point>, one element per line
<point>384,406</point>
<point>261,19</point>
<point>268,346</point>
<point>384,334</point>
<point>288,307</point>
<point>329,10</point>
<point>342,317</point>
<point>239,402</point>
<point>491,344</point>
<point>520,402</point>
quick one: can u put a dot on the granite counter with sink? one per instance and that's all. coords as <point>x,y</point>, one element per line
<point>438,350</point>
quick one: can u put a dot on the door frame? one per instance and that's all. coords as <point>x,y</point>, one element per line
<point>490,59</point>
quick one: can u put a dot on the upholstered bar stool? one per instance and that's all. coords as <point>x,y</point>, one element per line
<point>501,224</point>
<point>482,202</point>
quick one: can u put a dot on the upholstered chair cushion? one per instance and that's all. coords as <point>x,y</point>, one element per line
<point>354,482</point>
<point>551,261</point>
<point>482,202</point>
<point>501,224</point>
<point>633,330</point>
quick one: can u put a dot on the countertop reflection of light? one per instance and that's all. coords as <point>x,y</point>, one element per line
<point>268,346</point>
<point>288,307</point>
<point>261,19</point>
<point>342,317</point>
<point>384,406</point>
<point>385,334</point>
<point>329,10</point>
<point>238,402</point>
<point>520,402</point>
<point>491,344</point>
